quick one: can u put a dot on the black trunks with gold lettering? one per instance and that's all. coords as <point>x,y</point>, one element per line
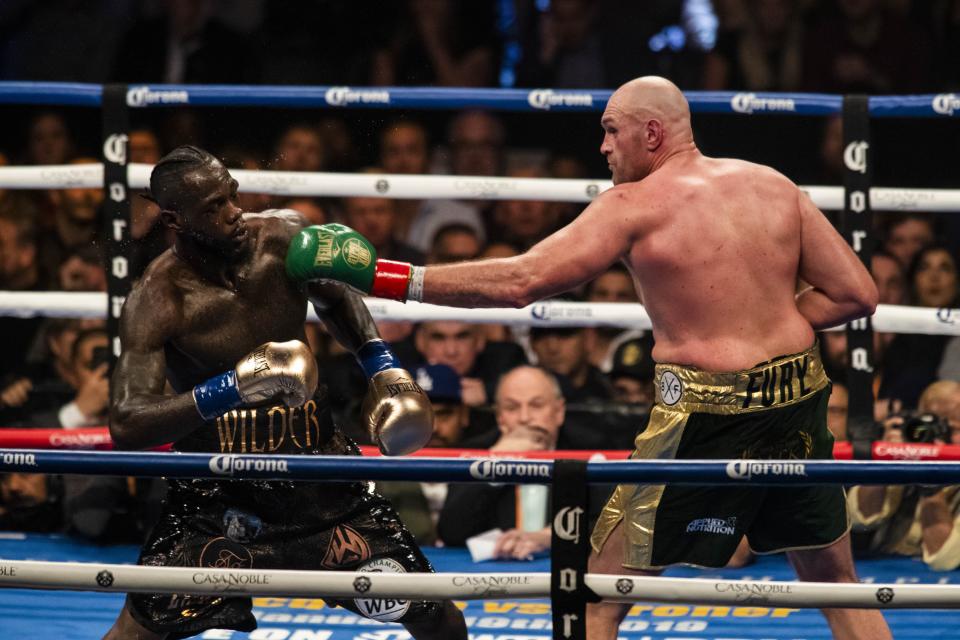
<point>777,411</point>
<point>261,524</point>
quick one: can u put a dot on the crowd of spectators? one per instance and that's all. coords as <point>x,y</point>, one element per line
<point>493,386</point>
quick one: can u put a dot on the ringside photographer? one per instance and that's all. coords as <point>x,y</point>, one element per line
<point>921,521</point>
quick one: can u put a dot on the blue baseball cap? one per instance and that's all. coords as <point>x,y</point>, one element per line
<point>439,381</point>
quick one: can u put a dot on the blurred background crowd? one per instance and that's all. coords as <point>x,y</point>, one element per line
<point>493,386</point>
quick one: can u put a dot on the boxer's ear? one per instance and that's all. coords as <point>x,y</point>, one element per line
<point>171,219</point>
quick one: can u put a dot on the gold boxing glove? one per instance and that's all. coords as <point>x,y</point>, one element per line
<point>285,371</point>
<point>275,371</point>
<point>398,414</point>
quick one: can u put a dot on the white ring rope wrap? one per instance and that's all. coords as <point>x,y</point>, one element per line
<point>80,576</point>
<point>890,318</point>
<point>295,183</point>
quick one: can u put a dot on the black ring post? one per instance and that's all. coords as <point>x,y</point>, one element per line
<point>569,550</point>
<point>116,207</point>
<point>858,230</point>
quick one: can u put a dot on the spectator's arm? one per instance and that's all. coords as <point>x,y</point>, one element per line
<point>941,533</point>
<point>870,506</point>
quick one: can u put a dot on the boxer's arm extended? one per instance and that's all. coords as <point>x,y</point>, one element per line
<point>601,235</point>
<point>841,287</point>
<point>582,250</point>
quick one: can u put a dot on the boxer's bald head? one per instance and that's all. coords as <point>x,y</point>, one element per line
<point>646,120</point>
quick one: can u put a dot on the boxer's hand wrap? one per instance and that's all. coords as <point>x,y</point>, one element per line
<point>337,252</point>
<point>275,371</point>
<point>398,414</point>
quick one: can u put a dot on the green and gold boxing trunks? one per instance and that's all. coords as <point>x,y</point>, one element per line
<point>776,410</point>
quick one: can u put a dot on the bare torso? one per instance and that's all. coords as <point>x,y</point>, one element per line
<point>219,323</point>
<point>717,259</point>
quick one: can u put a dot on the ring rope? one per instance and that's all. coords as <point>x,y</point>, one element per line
<point>350,468</point>
<point>81,576</point>
<point>528,100</point>
<point>553,313</point>
<point>98,438</point>
<point>305,183</point>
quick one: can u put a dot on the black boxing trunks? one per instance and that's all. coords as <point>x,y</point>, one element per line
<point>776,410</point>
<point>263,524</point>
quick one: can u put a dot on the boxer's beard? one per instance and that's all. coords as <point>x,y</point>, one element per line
<point>225,247</point>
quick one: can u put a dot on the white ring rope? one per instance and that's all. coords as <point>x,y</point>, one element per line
<point>554,313</point>
<point>294,183</point>
<point>80,576</point>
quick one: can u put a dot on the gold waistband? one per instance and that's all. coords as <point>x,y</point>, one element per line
<point>780,382</point>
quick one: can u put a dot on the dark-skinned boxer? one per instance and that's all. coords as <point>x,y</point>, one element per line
<point>218,318</point>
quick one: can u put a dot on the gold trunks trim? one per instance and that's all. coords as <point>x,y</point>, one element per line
<point>681,391</point>
<point>777,383</point>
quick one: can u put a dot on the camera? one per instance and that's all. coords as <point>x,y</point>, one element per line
<point>925,428</point>
<point>101,355</point>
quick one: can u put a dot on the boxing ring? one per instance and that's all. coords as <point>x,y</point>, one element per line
<point>502,601</point>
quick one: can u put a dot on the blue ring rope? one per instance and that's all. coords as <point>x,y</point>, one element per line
<point>334,468</point>
<point>523,100</point>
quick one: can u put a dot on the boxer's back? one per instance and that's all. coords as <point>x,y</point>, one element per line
<point>718,263</point>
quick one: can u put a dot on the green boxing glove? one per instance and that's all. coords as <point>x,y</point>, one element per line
<point>337,252</point>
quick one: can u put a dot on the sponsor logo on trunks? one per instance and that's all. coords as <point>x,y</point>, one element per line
<point>720,526</point>
<point>21,459</point>
<point>104,579</point>
<point>342,96</point>
<point>221,553</point>
<point>671,389</point>
<point>346,547</point>
<point>241,526</point>
<point>945,103</point>
<point>228,465</point>
<point>855,156</point>
<point>750,102</point>
<point>567,524</point>
<point>546,98</point>
<point>885,595</point>
<point>746,469</point>
<point>143,96</point>
<point>778,382</point>
<point>382,609</point>
<point>496,469</point>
